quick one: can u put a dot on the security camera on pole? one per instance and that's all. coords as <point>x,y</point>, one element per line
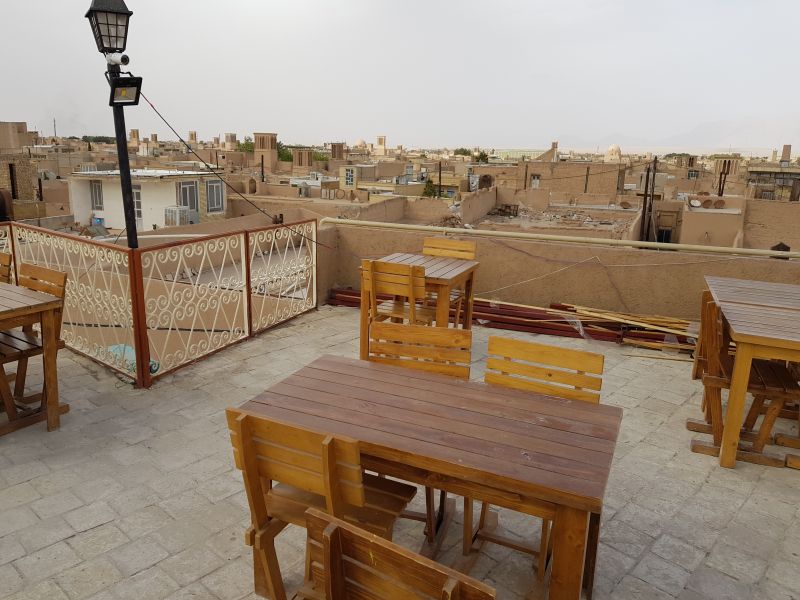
<point>109,21</point>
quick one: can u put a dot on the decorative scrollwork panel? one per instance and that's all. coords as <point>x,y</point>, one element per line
<point>282,273</point>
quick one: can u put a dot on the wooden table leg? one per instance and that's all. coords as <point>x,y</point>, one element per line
<point>569,548</point>
<point>591,554</point>
<point>468,292</point>
<point>736,399</point>
<point>363,328</point>
<point>50,344</point>
<point>442,306</point>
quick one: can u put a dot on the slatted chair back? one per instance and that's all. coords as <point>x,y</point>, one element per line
<point>405,281</point>
<point>551,370</point>
<point>700,351</point>
<point>449,247</point>
<point>270,451</point>
<point>719,362</point>
<point>5,267</point>
<point>42,279</point>
<point>348,562</point>
<point>433,349</point>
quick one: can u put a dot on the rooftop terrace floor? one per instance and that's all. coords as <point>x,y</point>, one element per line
<point>136,496</point>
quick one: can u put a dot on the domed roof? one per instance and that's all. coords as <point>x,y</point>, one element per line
<point>360,142</point>
<point>613,149</point>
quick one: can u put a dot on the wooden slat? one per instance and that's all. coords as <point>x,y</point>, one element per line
<point>533,352</point>
<point>569,378</point>
<point>540,387</point>
<point>449,247</point>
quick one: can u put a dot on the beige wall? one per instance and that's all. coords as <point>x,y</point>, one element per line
<point>768,222</point>
<point>623,279</point>
<point>424,210</point>
<point>475,205</point>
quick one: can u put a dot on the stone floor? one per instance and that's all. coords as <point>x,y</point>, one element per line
<point>136,496</point>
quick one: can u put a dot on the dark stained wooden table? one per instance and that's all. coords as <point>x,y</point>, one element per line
<point>21,306</point>
<point>764,321</point>
<point>528,452</point>
<point>442,275</point>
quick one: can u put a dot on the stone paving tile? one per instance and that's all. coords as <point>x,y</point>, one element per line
<point>136,496</point>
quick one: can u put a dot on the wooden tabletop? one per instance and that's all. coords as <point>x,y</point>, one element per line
<point>17,301</point>
<point>760,293</point>
<point>778,327</point>
<point>438,269</point>
<point>523,443</point>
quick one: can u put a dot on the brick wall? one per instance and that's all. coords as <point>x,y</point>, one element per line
<point>26,175</point>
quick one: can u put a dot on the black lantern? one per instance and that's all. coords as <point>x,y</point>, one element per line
<point>109,21</point>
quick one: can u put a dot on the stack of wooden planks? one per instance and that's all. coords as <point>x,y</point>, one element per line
<point>569,320</point>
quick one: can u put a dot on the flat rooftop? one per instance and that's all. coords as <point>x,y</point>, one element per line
<point>136,496</point>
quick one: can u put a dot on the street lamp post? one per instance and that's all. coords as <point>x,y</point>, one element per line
<point>109,22</point>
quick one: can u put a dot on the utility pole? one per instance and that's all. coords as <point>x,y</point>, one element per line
<point>651,221</point>
<point>440,179</point>
<point>55,131</point>
<point>642,228</point>
<point>586,182</point>
<point>262,168</point>
<point>723,177</point>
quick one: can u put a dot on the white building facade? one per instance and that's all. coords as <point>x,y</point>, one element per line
<point>96,197</point>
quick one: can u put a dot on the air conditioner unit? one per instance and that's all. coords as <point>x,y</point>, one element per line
<point>175,216</point>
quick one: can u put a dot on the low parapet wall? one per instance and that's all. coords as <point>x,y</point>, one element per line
<point>539,272</point>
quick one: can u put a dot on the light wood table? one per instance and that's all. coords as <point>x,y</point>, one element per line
<point>443,275</point>
<point>764,321</point>
<point>527,452</point>
<point>20,306</point>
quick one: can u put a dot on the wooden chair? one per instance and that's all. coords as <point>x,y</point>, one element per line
<point>770,381</point>
<point>5,267</point>
<point>451,248</point>
<point>287,469</point>
<point>19,345</point>
<point>347,562</point>
<point>551,370</point>
<point>406,283</point>
<point>433,349</point>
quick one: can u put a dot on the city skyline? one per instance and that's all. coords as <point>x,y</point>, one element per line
<point>602,73</point>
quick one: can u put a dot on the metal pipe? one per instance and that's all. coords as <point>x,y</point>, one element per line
<point>561,238</point>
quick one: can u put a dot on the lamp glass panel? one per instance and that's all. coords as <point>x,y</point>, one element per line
<point>125,94</point>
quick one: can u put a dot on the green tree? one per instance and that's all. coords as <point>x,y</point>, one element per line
<point>482,157</point>
<point>247,145</point>
<point>322,156</point>
<point>99,139</point>
<point>430,189</point>
<point>462,152</point>
<point>284,153</point>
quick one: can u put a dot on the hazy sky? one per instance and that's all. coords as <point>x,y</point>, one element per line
<point>698,74</point>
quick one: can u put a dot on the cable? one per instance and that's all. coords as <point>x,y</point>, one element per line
<point>228,185</point>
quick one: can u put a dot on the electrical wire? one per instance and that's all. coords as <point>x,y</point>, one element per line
<point>228,185</point>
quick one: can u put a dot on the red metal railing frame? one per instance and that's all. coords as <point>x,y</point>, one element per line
<point>141,340</point>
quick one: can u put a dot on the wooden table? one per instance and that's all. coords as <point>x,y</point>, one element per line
<point>443,275</point>
<point>764,321</point>
<point>20,306</point>
<point>527,452</point>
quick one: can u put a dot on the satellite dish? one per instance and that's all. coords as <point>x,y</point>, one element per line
<point>625,204</point>
<point>719,203</point>
<point>695,203</point>
<point>707,204</point>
